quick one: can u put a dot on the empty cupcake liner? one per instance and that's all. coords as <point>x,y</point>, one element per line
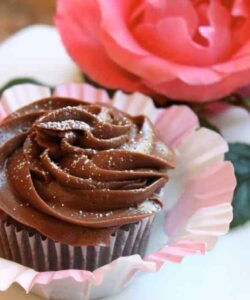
<point>35,251</point>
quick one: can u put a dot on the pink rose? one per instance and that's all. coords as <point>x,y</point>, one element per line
<point>182,49</point>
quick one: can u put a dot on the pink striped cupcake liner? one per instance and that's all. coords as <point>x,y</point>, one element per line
<point>197,200</point>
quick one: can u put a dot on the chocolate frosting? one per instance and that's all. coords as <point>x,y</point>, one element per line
<point>76,171</point>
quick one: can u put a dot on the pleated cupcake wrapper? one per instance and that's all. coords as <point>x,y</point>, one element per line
<point>197,200</point>
<point>43,254</point>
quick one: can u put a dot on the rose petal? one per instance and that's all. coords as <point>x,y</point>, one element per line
<point>154,11</point>
<point>239,62</point>
<point>178,45</point>
<point>81,36</point>
<point>203,92</point>
<point>240,8</point>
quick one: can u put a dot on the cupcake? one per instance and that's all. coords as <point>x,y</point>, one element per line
<point>197,200</point>
<point>80,184</point>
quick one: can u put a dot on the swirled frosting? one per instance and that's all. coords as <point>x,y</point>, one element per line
<point>76,171</point>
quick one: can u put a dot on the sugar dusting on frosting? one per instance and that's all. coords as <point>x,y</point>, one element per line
<point>65,125</point>
<point>95,174</point>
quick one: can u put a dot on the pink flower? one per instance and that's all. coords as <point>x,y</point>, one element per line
<point>188,50</point>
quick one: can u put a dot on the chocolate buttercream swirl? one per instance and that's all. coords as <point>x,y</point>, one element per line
<point>77,171</point>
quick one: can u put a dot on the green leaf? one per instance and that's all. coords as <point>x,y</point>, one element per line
<point>239,154</point>
<point>205,123</point>
<point>17,81</point>
<point>247,101</point>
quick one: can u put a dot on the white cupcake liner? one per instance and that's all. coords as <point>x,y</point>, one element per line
<point>197,202</point>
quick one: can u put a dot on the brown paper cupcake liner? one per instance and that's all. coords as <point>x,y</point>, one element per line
<point>43,254</point>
